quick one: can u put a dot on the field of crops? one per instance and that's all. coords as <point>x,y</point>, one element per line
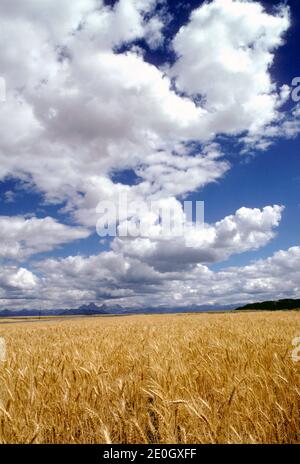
<point>193,378</point>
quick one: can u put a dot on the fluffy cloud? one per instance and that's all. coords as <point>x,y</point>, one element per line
<point>143,271</point>
<point>17,278</point>
<point>247,229</point>
<point>22,237</point>
<point>17,284</point>
<point>288,128</point>
<point>87,111</point>
<point>72,280</point>
<point>277,276</point>
<point>138,276</point>
<point>225,44</point>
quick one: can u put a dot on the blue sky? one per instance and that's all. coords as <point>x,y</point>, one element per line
<point>163,99</point>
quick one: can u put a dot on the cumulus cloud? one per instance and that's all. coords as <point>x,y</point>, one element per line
<point>274,277</point>
<point>288,128</point>
<point>247,229</point>
<point>87,111</point>
<point>72,280</point>
<point>142,271</point>
<point>17,278</point>
<point>224,45</point>
<point>17,284</point>
<point>22,237</point>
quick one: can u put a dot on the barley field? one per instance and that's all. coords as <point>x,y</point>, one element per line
<point>192,378</point>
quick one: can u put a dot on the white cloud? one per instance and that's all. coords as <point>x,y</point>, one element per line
<point>22,237</point>
<point>274,277</point>
<point>143,271</point>
<point>154,34</point>
<point>224,54</point>
<point>17,284</point>
<point>288,128</point>
<point>70,281</point>
<point>248,229</point>
<point>133,281</point>
<point>17,278</point>
<point>86,111</point>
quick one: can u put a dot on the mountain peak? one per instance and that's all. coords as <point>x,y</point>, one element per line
<point>91,306</point>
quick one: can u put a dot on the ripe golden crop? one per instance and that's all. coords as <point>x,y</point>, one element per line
<point>192,378</point>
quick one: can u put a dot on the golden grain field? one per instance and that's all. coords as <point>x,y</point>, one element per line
<point>193,378</point>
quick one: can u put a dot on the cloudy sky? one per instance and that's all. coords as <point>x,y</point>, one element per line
<point>156,100</point>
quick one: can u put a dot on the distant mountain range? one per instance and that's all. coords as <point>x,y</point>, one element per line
<point>272,305</point>
<point>85,310</point>
<point>93,310</point>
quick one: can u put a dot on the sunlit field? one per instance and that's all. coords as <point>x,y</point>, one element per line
<point>193,378</point>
